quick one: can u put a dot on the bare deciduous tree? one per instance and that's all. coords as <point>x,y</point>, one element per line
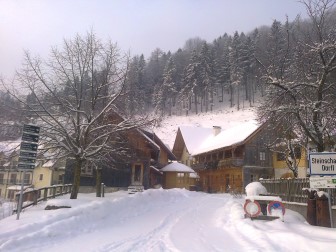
<point>76,94</point>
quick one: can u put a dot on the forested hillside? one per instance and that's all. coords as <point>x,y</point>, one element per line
<point>287,70</point>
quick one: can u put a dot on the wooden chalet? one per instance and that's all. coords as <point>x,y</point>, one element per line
<point>151,155</point>
<point>140,170</point>
<point>230,159</point>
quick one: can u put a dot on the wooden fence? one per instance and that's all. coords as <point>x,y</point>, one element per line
<point>32,197</point>
<point>292,190</point>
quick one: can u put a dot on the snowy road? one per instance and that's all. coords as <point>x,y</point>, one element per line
<point>158,220</point>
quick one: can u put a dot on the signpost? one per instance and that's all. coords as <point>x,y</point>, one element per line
<point>31,129</point>
<point>28,147</point>
<point>30,138</point>
<point>322,163</point>
<point>322,167</point>
<point>322,182</point>
<point>26,166</point>
<point>27,156</point>
<point>27,160</point>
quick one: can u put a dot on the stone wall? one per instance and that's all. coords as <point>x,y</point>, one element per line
<point>301,208</point>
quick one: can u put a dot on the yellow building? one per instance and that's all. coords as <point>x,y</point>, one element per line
<point>281,169</point>
<point>177,175</point>
<point>11,177</point>
<point>48,174</point>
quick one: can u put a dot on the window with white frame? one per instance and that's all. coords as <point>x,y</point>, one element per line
<point>262,155</point>
<point>26,179</point>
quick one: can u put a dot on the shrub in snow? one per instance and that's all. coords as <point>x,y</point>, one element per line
<point>255,188</point>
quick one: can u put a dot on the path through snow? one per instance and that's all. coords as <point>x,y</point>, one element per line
<point>157,220</point>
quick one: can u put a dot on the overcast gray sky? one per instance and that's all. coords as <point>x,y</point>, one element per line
<point>136,25</point>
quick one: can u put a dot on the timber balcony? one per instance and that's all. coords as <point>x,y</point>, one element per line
<point>231,162</point>
<point>223,163</point>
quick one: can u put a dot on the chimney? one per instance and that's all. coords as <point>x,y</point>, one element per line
<point>216,130</point>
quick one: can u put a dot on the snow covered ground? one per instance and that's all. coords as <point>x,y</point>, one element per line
<point>157,220</point>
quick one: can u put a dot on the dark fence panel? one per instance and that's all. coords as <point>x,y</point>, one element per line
<point>292,190</point>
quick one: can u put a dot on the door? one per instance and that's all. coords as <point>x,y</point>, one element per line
<point>137,174</point>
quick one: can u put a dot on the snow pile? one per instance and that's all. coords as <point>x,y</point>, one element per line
<point>254,189</point>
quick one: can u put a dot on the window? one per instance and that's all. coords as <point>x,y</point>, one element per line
<point>262,156</point>
<point>60,179</point>
<point>253,177</point>
<point>12,178</point>
<point>14,164</point>
<point>10,194</point>
<point>87,169</point>
<point>26,179</point>
<point>228,154</point>
<point>41,177</point>
<point>297,151</point>
<point>1,178</point>
<point>281,156</point>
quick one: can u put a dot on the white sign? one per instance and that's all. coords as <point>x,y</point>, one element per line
<point>322,163</point>
<point>323,182</point>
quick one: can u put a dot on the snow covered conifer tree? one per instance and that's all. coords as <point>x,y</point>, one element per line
<point>166,94</point>
<point>301,79</point>
<point>236,74</point>
<point>191,81</point>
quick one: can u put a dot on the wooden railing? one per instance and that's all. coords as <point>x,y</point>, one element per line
<point>32,197</point>
<point>292,190</point>
<point>219,164</point>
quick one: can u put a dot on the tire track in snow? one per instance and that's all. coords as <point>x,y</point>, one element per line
<point>157,239</point>
<point>246,234</point>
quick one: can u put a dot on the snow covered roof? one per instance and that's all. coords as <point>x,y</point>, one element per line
<point>177,167</point>
<point>9,146</point>
<point>194,136</point>
<point>155,169</point>
<point>150,140</point>
<point>154,138</point>
<point>49,164</point>
<point>229,137</point>
<point>17,187</point>
<point>6,164</point>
